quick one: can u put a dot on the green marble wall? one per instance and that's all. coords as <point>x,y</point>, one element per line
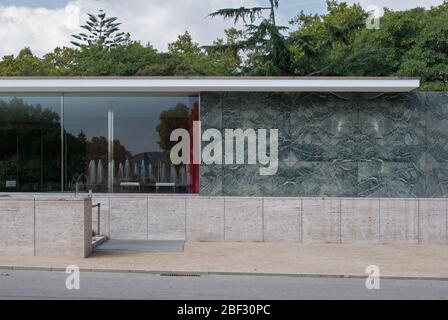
<point>336,145</point>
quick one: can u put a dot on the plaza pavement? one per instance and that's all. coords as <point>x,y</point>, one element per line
<point>394,261</point>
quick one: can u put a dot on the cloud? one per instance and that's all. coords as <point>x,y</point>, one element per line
<point>156,21</point>
<point>38,28</point>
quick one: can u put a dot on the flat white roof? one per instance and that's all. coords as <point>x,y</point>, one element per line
<point>196,85</point>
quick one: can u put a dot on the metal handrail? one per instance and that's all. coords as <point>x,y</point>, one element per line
<point>98,205</point>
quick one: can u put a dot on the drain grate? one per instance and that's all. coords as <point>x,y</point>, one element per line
<point>179,275</point>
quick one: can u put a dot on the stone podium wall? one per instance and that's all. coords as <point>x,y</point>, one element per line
<point>45,226</point>
<point>274,219</point>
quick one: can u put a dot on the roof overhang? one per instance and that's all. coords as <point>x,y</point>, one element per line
<point>195,85</point>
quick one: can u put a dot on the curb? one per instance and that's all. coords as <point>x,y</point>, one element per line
<point>166,273</point>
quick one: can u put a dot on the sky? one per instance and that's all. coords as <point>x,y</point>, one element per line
<point>43,25</point>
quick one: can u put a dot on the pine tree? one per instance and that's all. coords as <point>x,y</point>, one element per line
<point>263,40</point>
<point>102,31</point>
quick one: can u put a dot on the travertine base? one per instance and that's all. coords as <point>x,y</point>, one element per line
<point>45,227</point>
<point>255,219</point>
<point>61,226</point>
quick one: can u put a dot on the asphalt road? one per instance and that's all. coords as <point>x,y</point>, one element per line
<point>52,285</point>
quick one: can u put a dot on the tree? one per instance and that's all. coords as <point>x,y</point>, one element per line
<point>380,52</point>
<point>263,40</point>
<point>102,31</point>
<point>427,56</point>
<point>123,60</point>
<point>60,62</point>
<point>223,57</point>
<point>24,64</point>
<point>186,58</point>
<point>322,41</point>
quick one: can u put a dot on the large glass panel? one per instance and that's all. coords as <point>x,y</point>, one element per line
<point>121,143</point>
<point>30,143</point>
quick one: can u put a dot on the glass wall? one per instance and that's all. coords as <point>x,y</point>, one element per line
<point>110,143</point>
<point>30,143</point>
<point>121,144</point>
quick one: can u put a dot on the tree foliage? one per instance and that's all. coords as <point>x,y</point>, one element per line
<point>318,37</point>
<point>337,43</point>
<point>262,40</point>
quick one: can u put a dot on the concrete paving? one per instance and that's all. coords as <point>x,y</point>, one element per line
<point>415,261</point>
<point>18,284</point>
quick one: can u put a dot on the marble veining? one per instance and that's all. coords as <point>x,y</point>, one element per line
<point>336,145</point>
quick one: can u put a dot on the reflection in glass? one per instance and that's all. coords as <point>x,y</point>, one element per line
<point>30,143</point>
<point>122,143</point>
